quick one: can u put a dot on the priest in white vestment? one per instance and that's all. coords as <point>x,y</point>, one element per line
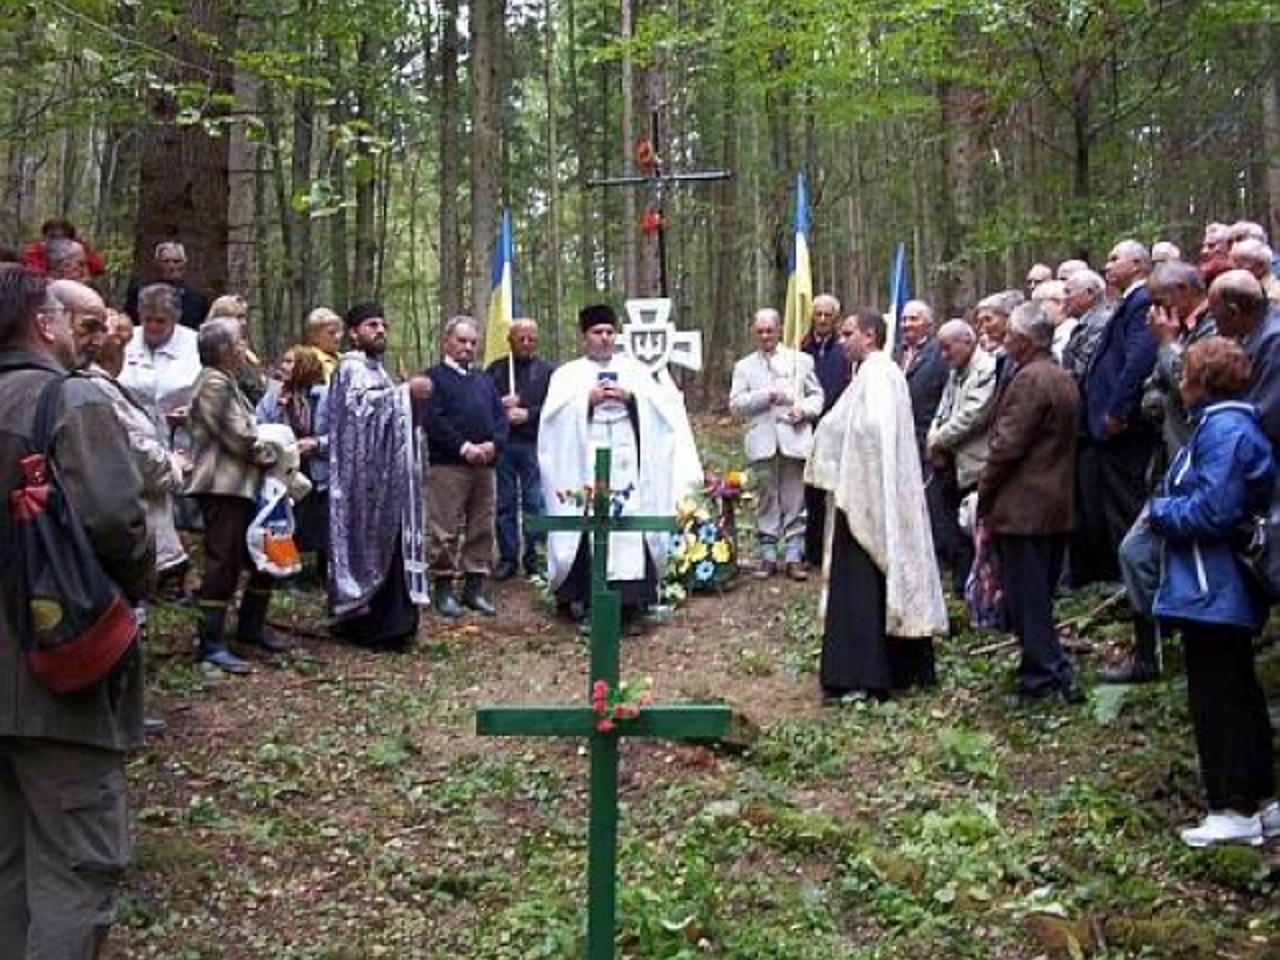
<point>882,598</point>
<point>605,399</point>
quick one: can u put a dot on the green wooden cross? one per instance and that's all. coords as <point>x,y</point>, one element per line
<point>668,722</point>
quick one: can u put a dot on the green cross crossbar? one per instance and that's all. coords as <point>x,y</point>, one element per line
<point>672,721</point>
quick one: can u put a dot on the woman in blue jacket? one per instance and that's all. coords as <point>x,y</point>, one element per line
<point>1221,476</point>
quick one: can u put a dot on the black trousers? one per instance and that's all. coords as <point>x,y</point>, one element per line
<point>1229,715</point>
<point>1123,465</point>
<point>1091,558</point>
<point>226,521</point>
<point>953,547</point>
<point>815,510</point>
<point>1030,567</point>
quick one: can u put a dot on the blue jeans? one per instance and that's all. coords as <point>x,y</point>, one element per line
<point>519,488</point>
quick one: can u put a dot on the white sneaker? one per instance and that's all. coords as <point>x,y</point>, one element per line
<point>1224,826</point>
<point>1270,818</point>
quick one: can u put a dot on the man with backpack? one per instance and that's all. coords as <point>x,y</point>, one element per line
<point>64,837</point>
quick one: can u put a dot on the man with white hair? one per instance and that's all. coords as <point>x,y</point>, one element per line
<point>957,443</point>
<point>1067,267</point>
<point>170,268</point>
<point>1255,256</point>
<point>922,363</point>
<point>1085,299</point>
<point>1025,496</point>
<point>1119,435</point>
<point>822,342</point>
<point>776,393</point>
<point>1163,251</point>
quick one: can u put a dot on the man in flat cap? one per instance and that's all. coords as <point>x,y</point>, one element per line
<point>606,399</point>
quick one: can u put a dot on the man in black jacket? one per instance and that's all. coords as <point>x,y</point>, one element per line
<point>466,430</point>
<point>519,481</point>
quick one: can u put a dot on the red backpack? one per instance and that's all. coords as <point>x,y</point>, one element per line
<point>75,624</point>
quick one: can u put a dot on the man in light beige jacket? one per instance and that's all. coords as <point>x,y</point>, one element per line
<point>776,393</point>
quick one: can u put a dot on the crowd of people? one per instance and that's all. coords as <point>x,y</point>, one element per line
<point>1110,427</point>
<point>1093,427</point>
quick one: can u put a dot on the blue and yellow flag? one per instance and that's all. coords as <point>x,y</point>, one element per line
<point>899,294</point>
<point>799,275</point>
<point>502,296</point>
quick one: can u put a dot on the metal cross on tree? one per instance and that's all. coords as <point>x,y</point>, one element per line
<point>672,722</point>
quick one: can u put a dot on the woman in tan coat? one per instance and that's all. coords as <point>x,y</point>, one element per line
<point>228,460</point>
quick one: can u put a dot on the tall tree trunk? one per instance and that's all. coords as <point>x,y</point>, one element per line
<point>366,177</point>
<point>554,213</point>
<point>183,183</point>
<point>487,22</point>
<point>631,125</point>
<point>452,254</point>
<point>1271,127</point>
<point>960,110</point>
<point>297,209</point>
<point>242,211</point>
<point>335,164</point>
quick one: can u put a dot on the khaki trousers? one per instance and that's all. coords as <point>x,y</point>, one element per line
<point>460,504</point>
<point>780,512</point>
<point>64,845</point>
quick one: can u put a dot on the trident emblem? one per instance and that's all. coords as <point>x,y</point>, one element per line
<point>651,338</point>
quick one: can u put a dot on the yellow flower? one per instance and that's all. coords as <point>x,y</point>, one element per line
<point>699,552</point>
<point>720,551</point>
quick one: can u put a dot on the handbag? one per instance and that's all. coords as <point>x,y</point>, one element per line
<point>75,622</point>
<point>1256,545</point>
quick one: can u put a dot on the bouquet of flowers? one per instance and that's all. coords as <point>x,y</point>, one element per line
<point>704,555</point>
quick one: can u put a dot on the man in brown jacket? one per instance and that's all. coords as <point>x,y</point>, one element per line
<point>1025,496</point>
<point>64,836</point>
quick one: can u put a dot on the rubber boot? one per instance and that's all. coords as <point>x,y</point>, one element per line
<point>444,601</point>
<point>213,640</point>
<point>474,598</point>
<point>251,623</point>
<point>1142,665</point>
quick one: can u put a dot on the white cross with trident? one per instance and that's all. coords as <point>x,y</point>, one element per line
<point>651,338</point>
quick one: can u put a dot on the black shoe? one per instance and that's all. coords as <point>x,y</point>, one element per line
<point>504,571</point>
<point>531,566</point>
<point>1131,669</point>
<point>444,601</point>
<point>1067,693</point>
<point>268,641</point>
<point>473,599</point>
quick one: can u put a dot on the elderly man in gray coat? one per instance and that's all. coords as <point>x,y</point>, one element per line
<point>776,392</point>
<point>956,444</point>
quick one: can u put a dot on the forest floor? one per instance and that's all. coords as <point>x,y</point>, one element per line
<point>338,804</point>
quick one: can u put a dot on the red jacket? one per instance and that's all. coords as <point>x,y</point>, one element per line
<point>33,258</point>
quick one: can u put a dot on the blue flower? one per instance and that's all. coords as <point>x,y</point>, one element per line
<point>704,571</point>
<point>707,533</point>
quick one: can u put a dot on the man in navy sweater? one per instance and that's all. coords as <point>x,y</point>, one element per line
<point>466,429</point>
